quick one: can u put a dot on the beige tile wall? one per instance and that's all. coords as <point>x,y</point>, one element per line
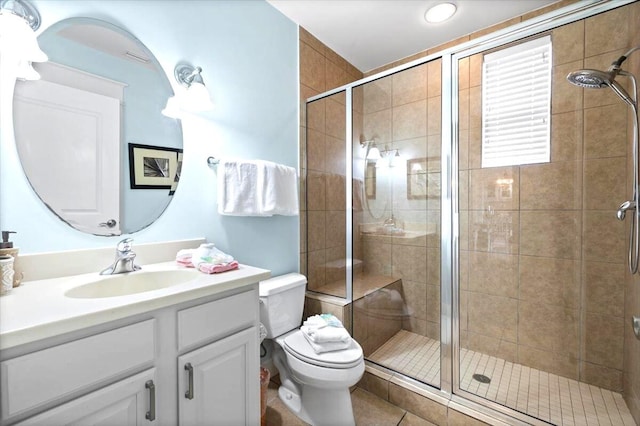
<point>631,363</point>
<point>322,221</point>
<point>544,261</point>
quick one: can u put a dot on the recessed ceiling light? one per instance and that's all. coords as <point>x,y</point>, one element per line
<point>440,12</point>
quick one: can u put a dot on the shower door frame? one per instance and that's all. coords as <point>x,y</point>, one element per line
<point>449,391</point>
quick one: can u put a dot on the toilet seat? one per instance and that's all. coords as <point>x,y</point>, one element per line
<point>297,345</point>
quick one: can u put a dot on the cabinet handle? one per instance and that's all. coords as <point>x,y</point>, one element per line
<point>151,414</point>
<point>189,393</point>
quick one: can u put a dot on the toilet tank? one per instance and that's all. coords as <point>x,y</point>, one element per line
<point>281,303</point>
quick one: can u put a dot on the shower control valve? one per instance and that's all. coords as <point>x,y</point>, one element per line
<point>622,210</point>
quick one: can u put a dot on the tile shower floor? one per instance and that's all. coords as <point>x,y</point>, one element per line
<point>544,395</point>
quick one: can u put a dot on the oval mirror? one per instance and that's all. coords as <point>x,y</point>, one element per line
<point>90,134</point>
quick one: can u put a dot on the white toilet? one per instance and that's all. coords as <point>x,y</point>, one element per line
<point>314,386</point>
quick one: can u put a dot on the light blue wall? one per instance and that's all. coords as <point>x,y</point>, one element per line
<point>248,52</point>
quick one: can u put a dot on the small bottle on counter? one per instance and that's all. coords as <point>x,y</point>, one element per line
<point>7,249</point>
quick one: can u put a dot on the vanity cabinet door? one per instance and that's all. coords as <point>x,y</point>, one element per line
<point>129,402</point>
<point>219,383</point>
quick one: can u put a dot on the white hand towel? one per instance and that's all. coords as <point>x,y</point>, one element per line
<point>328,346</point>
<point>326,334</point>
<point>238,189</point>
<point>279,189</point>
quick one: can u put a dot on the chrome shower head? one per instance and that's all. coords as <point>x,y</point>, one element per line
<point>596,79</point>
<point>591,79</point>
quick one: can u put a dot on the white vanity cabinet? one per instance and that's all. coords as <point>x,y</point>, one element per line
<point>128,402</point>
<point>219,382</point>
<point>126,375</point>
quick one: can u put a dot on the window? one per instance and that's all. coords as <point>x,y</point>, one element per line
<point>516,104</point>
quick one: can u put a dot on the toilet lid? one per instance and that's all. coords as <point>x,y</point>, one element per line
<point>297,345</point>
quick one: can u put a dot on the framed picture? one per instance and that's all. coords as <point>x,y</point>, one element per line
<point>152,167</point>
<point>370,180</point>
<point>417,188</point>
<point>422,185</point>
<point>174,184</point>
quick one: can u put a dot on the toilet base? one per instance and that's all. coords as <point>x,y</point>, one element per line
<point>314,405</point>
<point>320,407</point>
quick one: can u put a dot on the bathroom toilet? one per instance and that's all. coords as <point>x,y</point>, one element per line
<point>314,386</point>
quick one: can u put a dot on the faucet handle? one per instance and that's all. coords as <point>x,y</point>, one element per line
<point>125,245</point>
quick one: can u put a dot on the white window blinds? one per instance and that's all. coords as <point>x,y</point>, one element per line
<point>516,104</point>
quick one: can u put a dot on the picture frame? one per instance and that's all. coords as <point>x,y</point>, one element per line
<point>153,167</point>
<point>370,180</point>
<point>422,185</point>
<point>174,184</point>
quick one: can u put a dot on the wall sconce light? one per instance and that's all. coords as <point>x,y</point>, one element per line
<point>18,43</point>
<point>196,97</point>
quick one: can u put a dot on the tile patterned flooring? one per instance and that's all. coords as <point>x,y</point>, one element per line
<point>552,398</point>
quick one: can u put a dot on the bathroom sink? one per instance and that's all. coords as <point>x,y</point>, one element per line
<point>131,283</point>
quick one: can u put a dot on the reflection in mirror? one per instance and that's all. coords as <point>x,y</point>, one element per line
<point>101,91</point>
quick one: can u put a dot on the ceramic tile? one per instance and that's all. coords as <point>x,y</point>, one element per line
<point>378,125</point>
<point>312,68</point>
<point>413,420</point>
<point>550,281</point>
<point>335,162</point>
<point>604,340</point>
<point>494,316</point>
<point>566,136</point>
<point>370,410</point>
<point>604,237</point>
<point>410,120</point>
<point>316,116</point>
<point>417,404</point>
<point>551,186</point>
<point>550,234</point>
<point>434,115</point>
<point>377,95</point>
<point>568,43</point>
<point>604,288</point>
<point>410,85</point>
<point>600,38</point>
<point>565,96</point>
<point>336,116</point>
<point>316,191</point>
<point>549,327</point>
<point>335,76</point>
<point>463,73</point>
<point>493,273</point>
<point>605,131</point>
<point>434,72</point>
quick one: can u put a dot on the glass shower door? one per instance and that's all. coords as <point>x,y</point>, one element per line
<point>396,221</point>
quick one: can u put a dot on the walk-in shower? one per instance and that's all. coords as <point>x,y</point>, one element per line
<point>494,285</point>
<point>596,79</point>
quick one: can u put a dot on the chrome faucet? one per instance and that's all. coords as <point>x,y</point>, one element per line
<point>124,259</point>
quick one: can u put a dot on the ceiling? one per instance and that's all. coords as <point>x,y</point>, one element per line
<point>372,33</point>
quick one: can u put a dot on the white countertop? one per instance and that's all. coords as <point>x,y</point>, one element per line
<point>39,309</point>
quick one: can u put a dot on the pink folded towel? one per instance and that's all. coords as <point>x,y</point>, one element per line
<point>210,268</point>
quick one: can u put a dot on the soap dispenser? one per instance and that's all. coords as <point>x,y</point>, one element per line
<point>6,248</point>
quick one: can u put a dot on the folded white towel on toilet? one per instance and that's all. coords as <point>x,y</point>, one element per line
<point>326,334</point>
<point>327,346</point>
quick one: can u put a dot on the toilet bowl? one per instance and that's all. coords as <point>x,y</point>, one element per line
<point>315,387</point>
